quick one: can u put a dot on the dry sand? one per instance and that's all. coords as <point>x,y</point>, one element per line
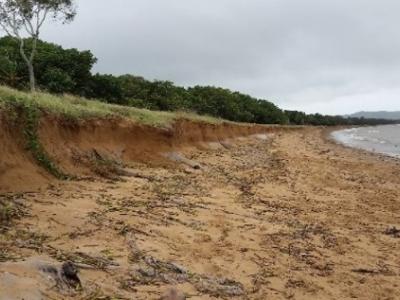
<point>291,217</point>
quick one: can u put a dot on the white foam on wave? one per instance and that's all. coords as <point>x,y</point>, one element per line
<point>357,137</point>
<point>373,131</point>
<point>380,139</point>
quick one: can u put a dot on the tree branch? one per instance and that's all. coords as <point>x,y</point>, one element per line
<point>4,27</point>
<point>46,11</point>
<point>13,23</point>
<point>29,29</point>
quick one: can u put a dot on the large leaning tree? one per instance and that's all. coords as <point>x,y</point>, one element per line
<point>19,18</point>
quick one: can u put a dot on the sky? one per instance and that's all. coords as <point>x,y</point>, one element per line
<point>326,56</point>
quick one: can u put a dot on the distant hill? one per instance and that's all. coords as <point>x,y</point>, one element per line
<point>387,115</point>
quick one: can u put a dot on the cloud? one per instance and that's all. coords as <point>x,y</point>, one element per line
<point>328,56</point>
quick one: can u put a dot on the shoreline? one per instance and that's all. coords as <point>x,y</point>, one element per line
<point>295,215</point>
<point>330,138</point>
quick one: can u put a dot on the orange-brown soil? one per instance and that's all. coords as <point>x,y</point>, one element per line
<point>71,144</point>
<point>293,216</point>
<point>18,170</point>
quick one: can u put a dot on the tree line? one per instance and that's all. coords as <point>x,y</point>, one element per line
<point>30,62</point>
<point>62,71</point>
<point>301,118</point>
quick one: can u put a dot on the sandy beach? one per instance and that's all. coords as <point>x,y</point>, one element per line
<point>291,215</point>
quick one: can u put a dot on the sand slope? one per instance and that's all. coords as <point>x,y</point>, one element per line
<point>290,217</point>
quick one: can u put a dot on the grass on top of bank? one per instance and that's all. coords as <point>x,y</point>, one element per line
<point>78,108</point>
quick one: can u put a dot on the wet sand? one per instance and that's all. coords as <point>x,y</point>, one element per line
<point>291,217</point>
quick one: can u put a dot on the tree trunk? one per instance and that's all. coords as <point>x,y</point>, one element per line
<point>32,81</point>
<point>29,62</point>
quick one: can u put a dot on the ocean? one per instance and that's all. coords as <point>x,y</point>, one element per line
<point>381,139</point>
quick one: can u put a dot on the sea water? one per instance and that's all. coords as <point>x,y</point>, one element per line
<point>382,139</point>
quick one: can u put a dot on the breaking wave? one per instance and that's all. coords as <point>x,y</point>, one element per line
<point>381,139</point>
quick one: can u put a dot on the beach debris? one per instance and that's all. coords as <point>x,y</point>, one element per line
<point>261,137</point>
<point>81,259</point>
<point>65,276</point>
<point>152,271</point>
<point>380,269</point>
<point>327,151</point>
<point>6,255</point>
<point>101,164</point>
<point>219,287</point>
<point>127,172</point>
<point>178,157</point>
<point>393,231</point>
<point>226,144</point>
<point>295,284</point>
<point>12,207</point>
<point>69,275</point>
<point>30,239</point>
<point>365,271</point>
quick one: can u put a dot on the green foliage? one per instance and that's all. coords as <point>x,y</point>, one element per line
<point>31,119</point>
<point>26,17</point>
<point>300,118</point>
<point>57,80</point>
<point>156,95</point>
<point>28,116</point>
<point>57,70</point>
<point>61,71</point>
<point>235,106</point>
<point>11,63</point>
<point>106,87</point>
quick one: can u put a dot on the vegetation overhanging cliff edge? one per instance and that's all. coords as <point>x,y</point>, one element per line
<point>45,137</point>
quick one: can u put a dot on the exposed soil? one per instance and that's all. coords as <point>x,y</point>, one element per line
<point>285,216</point>
<point>76,146</point>
<point>18,169</point>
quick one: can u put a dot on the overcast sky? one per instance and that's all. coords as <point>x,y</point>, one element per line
<point>328,56</point>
